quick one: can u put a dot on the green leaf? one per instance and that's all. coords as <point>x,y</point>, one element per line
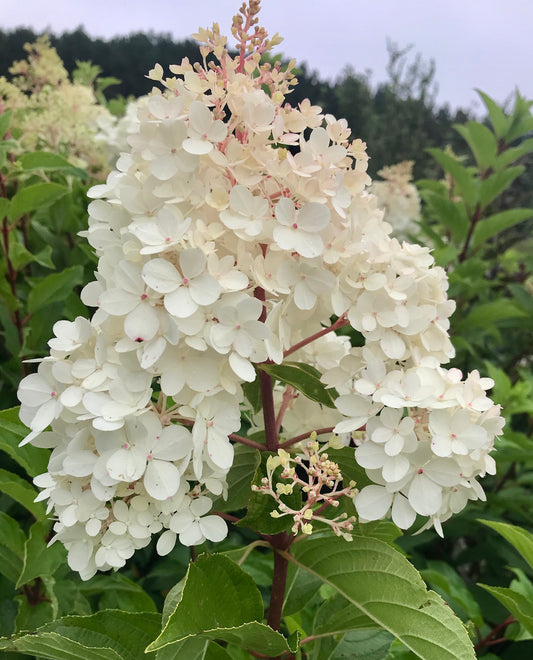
<point>451,586</point>
<point>193,648</point>
<point>4,206</point>
<point>12,431</point>
<point>5,118</point>
<point>519,605</point>
<point>465,182</point>
<point>44,257</point>
<point>40,560</point>
<point>380,583</point>
<point>494,224</point>
<point>249,636</point>
<point>496,183</point>
<point>47,161</point>
<point>34,197</point>
<point>252,391</point>
<point>118,592</point>
<point>12,540</point>
<point>19,256</point>
<point>364,644</point>
<point>240,476</point>
<point>481,141</point>
<point>488,314</point>
<point>301,587</point>
<point>22,492</point>
<point>106,635</point>
<point>54,288</point>
<point>337,616</point>
<point>304,378</point>
<point>261,505</point>
<point>498,118</point>
<point>519,538</point>
<point>511,154</point>
<point>229,598</point>
<point>220,601</point>
<point>450,214</point>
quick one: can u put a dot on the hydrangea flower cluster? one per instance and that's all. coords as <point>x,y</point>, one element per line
<point>398,197</point>
<point>228,236</point>
<point>51,112</point>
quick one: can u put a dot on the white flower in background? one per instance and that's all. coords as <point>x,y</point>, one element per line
<point>399,198</point>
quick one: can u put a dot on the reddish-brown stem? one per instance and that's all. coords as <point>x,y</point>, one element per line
<point>476,217</point>
<point>12,278</point>
<point>226,516</point>
<point>339,323</point>
<point>267,393</point>
<point>232,436</point>
<point>303,436</point>
<point>492,638</point>
<point>246,441</point>
<point>288,396</point>
<point>279,542</point>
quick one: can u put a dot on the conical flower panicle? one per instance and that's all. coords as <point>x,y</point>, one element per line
<point>233,229</point>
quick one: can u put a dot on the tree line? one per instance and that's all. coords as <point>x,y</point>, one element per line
<point>398,118</point>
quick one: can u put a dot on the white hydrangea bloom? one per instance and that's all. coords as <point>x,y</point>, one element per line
<point>220,249</point>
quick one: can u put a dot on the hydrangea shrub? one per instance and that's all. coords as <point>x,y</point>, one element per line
<point>228,237</point>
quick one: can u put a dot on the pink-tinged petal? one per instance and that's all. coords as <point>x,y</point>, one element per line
<point>179,303</point>
<point>174,443</point>
<point>161,479</point>
<point>142,323</point>
<point>309,245</point>
<point>126,465</point>
<point>34,390</point>
<point>118,302</point>
<point>304,297</point>
<point>79,555</point>
<point>444,471</point>
<point>197,147</point>
<point>441,445</point>
<point>424,495</point>
<point>243,344</point>
<point>192,262</point>
<point>285,238</point>
<point>403,514</point>
<point>164,167</point>
<point>205,289</point>
<point>173,380</point>
<point>395,445</point>
<point>200,506</point>
<point>79,463</point>
<point>242,367</point>
<point>393,345</point>
<point>285,211</point>
<point>192,535</point>
<point>313,217</point>
<point>166,542</point>
<point>214,528</point>
<point>395,468</point>
<point>370,455</point>
<point>151,352</point>
<point>71,396</point>
<point>373,502</point>
<point>45,415</point>
<point>220,451</point>
<point>180,521</point>
<point>161,276</point>
<point>202,374</point>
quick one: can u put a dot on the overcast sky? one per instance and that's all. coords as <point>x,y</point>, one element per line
<point>485,44</point>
